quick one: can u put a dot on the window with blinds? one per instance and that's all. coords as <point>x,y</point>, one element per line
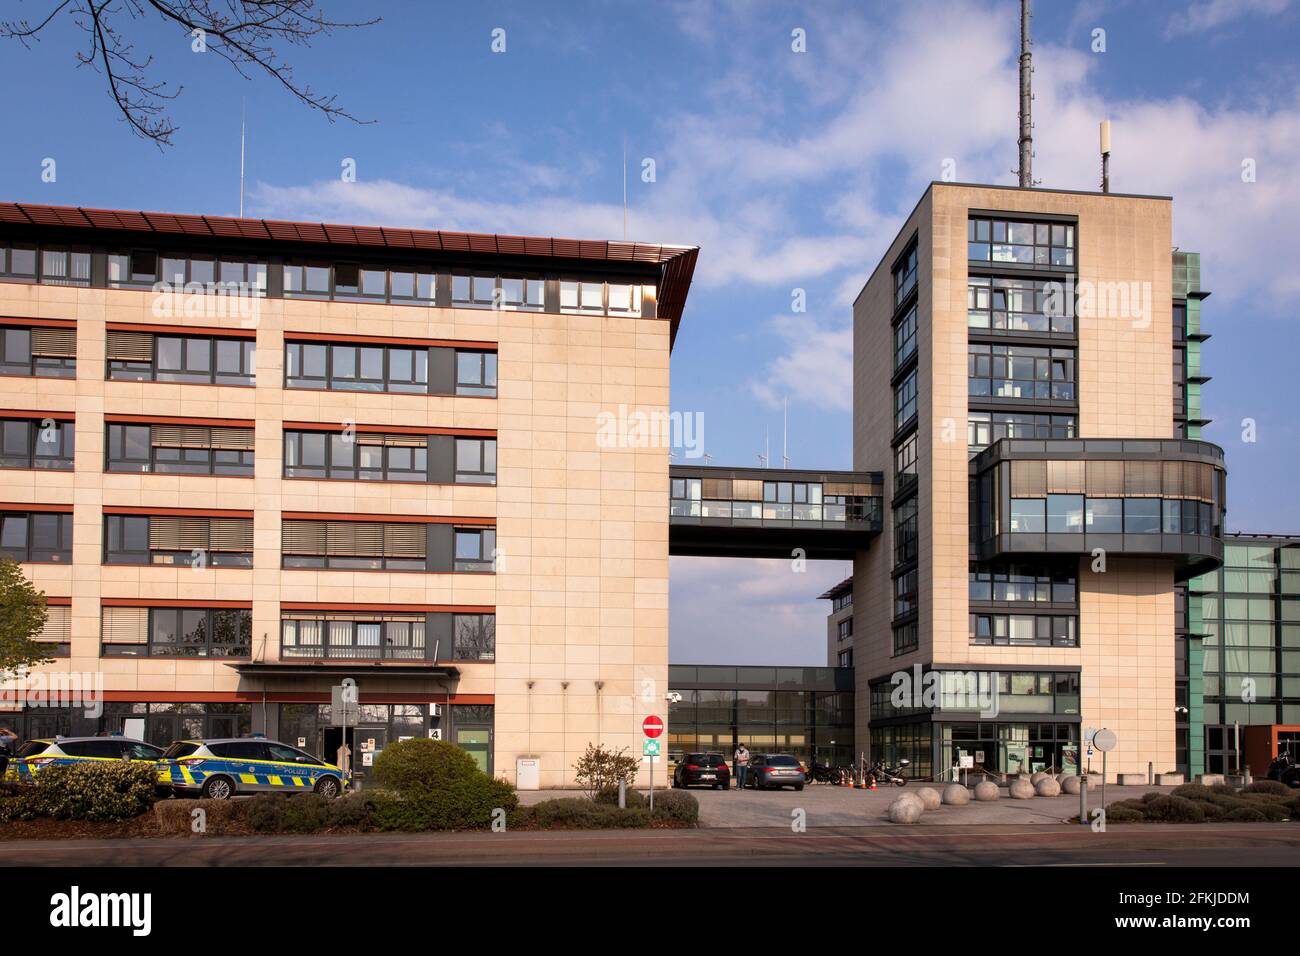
<point>364,456</point>
<point>188,359</point>
<point>180,449</point>
<point>194,540</point>
<point>353,636</point>
<point>125,626</point>
<point>176,632</point>
<point>57,630</point>
<point>38,351</point>
<point>1114,479</point>
<point>355,544</point>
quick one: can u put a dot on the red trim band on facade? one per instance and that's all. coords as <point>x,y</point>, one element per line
<point>43,323</point>
<point>395,608</point>
<point>389,519</point>
<point>58,601</point>
<point>174,420</point>
<point>172,602</point>
<point>392,429</point>
<point>285,697</point>
<point>29,413</point>
<point>46,508</point>
<point>180,330</point>
<point>178,512</point>
<point>388,340</point>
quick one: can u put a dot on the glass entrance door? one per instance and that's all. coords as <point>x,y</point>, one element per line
<point>477,742</point>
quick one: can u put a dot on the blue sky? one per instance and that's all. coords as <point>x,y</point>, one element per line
<point>790,171</point>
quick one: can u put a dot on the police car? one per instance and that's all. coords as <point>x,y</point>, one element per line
<point>219,769</point>
<point>35,755</point>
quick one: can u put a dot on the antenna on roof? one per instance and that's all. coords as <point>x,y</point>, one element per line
<point>1105,156</point>
<point>1026,171</point>
<point>767,442</point>
<point>242,126</point>
<point>785,434</point>
<point>625,187</point>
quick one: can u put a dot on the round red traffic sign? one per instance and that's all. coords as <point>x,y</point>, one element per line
<point>652,726</point>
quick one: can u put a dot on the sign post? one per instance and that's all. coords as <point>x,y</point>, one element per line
<point>345,708</point>
<point>652,727</point>
<point>1104,740</point>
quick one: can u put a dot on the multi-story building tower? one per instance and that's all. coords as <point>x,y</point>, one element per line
<point>839,624</point>
<point>1012,358</point>
<point>247,459</point>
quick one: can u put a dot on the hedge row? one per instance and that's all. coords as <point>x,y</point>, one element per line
<point>106,792</point>
<point>1261,802</point>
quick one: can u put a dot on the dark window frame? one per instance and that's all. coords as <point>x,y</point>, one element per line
<point>33,521</point>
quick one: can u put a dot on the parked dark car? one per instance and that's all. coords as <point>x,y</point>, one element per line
<point>775,771</point>
<point>702,770</point>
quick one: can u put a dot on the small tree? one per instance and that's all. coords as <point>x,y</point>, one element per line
<point>22,615</point>
<point>601,769</point>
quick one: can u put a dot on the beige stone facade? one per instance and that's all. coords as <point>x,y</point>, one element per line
<point>581,589</point>
<point>1124,388</point>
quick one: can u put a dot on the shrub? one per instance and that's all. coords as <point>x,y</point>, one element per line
<point>1170,809</point>
<point>102,791</point>
<point>351,811</point>
<point>601,769</point>
<point>1118,814</point>
<point>1274,788</point>
<point>577,813</point>
<point>176,817</point>
<point>19,805</point>
<point>634,798</point>
<point>265,811</point>
<point>1246,815</point>
<point>677,806</point>
<point>1192,791</point>
<point>420,762</point>
<point>460,805</point>
<point>1224,788</point>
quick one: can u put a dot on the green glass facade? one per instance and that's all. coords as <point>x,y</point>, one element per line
<point>1249,616</point>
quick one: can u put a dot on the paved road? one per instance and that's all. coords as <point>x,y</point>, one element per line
<point>1147,845</point>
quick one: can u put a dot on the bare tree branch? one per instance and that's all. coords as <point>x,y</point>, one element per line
<point>247,34</point>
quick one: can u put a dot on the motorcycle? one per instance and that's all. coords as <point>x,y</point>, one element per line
<point>889,775</point>
<point>826,773</point>
<point>1284,769</point>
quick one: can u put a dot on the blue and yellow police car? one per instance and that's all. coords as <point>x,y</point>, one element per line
<point>219,769</point>
<point>35,755</point>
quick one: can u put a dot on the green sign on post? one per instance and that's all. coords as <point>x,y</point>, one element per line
<point>650,748</point>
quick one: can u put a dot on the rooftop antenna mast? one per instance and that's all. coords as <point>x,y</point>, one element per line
<point>785,435</point>
<point>242,126</point>
<point>767,443</point>
<point>1105,156</point>
<point>1026,100</point>
<point>625,187</point>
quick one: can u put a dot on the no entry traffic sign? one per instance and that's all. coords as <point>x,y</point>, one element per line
<point>652,726</point>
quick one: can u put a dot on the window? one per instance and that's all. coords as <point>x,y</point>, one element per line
<point>905,593</point>
<point>42,351</point>
<point>19,262</point>
<point>844,658</point>
<point>905,400</point>
<point>1142,516</point>
<point>354,636</point>
<point>474,637</point>
<point>905,460</point>
<point>509,293</point>
<point>363,456</point>
<point>906,638</point>
<point>476,374</point>
<point>364,545</point>
<point>1105,516</point>
<point>842,600</point>
<point>905,532</point>
<point>1022,583</point>
<point>844,630</point>
<point>195,540</point>
<point>356,282</point>
<point>373,368</point>
<point>36,536</point>
<point>476,549</point>
<point>1027,243</point>
<point>1018,305</point>
<point>1025,630</point>
<point>43,444</point>
<point>905,274</point>
<point>199,273</point>
<point>1020,371</point>
<point>684,498</point>
<point>180,449</point>
<point>905,337</point>
<point>579,296</point>
<point>985,428</point>
<point>179,632</point>
<point>190,359</point>
<point>1028,515</point>
<point>1065,514</point>
<point>476,461</point>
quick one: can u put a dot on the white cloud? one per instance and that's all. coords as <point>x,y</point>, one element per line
<point>1208,14</point>
<point>817,366</point>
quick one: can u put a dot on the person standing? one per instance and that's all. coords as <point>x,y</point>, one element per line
<point>740,760</point>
